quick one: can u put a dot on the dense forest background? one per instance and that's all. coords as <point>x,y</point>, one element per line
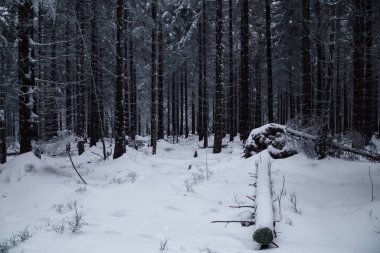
<point>110,68</point>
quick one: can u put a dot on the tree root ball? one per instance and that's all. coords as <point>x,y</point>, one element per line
<point>263,236</point>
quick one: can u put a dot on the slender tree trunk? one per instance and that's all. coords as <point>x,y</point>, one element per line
<point>358,65</point>
<point>182,82</point>
<point>80,112</point>
<point>153,111</point>
<point>3,146</point>
<point>218,124</point>
<point>306,62</point>
<point>94,103</point>
<point>231,85</point>
<point>244,118</point>
<point>258,117</point>
<point>27,119</point>
<point>160,133</point>
<point>174,105</point>
<point>369,118</point>
<point>268,36</point>
<point>68,69</point>
<point>133,91</point>
<point>119,106</point>
<point>193,113</point>
<point>200,83</point>
<point>168,112</point>
<point>186,105</point>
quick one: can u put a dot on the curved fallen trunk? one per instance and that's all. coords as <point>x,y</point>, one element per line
<point>279,140</point>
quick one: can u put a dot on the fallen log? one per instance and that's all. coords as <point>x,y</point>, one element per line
<point>264,215</point>
<point>271,137</point>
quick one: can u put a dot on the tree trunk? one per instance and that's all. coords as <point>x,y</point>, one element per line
<point>160,133</point>
<point>186,105</point>
<point>218,80</point>
<point>80,122</point>
<point>27,119</point>
<point>153,109</point>
<point>306,62</point>
<point>268,36</point>
<point>119,106</point>
<point>231,85</point>
<point>244,118</point>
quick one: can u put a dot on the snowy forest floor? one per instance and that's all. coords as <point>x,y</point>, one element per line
<point>137,202</point>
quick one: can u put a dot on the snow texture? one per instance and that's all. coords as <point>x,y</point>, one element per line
<point>122,215</point>
<point>264,210</point>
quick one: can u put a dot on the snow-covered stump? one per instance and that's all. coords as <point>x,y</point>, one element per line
<point>264,215</point>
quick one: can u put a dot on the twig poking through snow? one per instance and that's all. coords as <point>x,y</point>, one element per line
<point>370,178</point>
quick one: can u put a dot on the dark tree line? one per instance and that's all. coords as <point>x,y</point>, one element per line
<point>103,69</point>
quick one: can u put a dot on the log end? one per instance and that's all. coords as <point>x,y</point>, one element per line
<point>263,236</point>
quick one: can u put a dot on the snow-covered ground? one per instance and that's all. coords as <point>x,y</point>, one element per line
<point>137,202</point>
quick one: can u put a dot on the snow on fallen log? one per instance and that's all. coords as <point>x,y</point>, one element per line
<point>280,141</point>
<point>264,216</point>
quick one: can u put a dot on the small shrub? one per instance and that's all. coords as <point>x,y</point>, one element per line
<point>30,168</point>
<point>59,227</point>
<point>76,222</point>
<point>7,179</point>
<point>59,208</point>
<point>293,201</point>
<point>132,176</point>
<point>81,189</point>
<point>4,247</point>
<point>208,250</point>
<point>189,185</point>
<point>14,240</point>
<point>24,235</point>
<point>164,244</point>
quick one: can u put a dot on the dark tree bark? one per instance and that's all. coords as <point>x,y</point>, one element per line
<point>181,104</point>
<point>168,130</point>
<point>153,109</point>
<point>69,86</point>
<point>27,119</point>
<point>268,36</point>
<point>186,105</point>
<point>319,93</point>
<point>127,77</point>
<point>193,123</point>
<point>346,104</point>
<point>94,102</point>
<point>200,84</point>
<point>339,89</point>
<point>160,79</point>
<point>306,62</point>
<point>244,117</point>
<point>51,116</point>
<point>231,91</point>
<point>218,124</point>
<point>258,117</point>
<point>369,118</point>
<point>292,102</point>
<point>133,91</point>
<point>3,146</point>
<point>174,105</point>
<point>330,94</point>
<point>205,111</point>
<point>358,65</point>
<point>119,106</point>
<point>80,105</point>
